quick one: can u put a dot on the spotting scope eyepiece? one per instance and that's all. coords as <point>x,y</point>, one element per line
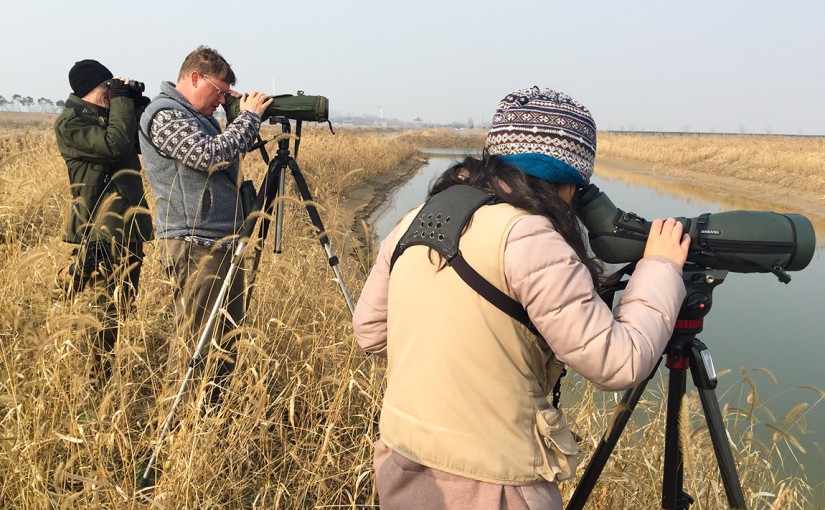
<point>738,241</point>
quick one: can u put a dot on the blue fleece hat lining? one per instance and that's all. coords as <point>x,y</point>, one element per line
<point>545,167</point>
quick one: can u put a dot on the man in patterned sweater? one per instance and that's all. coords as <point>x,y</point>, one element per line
<point>192,168</point>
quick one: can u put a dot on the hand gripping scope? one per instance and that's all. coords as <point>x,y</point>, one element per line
<point>738,241</point>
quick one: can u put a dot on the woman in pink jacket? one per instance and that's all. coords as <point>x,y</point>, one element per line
<point>468,419</point>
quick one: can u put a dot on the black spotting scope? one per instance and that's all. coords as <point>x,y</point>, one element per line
<point>738,241</point>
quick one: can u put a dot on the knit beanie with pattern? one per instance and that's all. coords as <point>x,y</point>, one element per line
<point>86,75</point>
<point>546,134</point>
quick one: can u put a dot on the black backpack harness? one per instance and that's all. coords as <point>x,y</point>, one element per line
<point>439,225</point>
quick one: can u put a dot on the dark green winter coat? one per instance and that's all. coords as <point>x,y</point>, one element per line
<point>100,150</point>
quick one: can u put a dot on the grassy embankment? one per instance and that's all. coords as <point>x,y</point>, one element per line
<point>778,173</point>
<point>298,428</point>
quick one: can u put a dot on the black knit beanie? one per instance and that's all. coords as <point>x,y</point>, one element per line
<point>86,75</point>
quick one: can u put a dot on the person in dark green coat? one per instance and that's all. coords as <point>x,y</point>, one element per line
<point>109,218</point>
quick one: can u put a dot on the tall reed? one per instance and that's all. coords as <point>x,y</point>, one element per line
<point>786,170</point>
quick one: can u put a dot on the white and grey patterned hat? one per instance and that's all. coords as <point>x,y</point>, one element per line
<point>546,134</point>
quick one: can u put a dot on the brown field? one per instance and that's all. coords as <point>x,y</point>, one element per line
<point>11,121</point>
<point>779,173</point>
<point>298,428</point>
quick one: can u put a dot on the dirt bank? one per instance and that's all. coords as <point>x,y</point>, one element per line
<point>359,204</point>
<point>356,207</point>
<point>724,187</point>
<point>732,193</point>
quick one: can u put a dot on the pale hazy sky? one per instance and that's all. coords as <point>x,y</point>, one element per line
<point>722,66</point>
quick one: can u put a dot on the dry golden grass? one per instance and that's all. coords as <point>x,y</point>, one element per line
<point>446,138</point>
<point>26,120</point>
<point>302,409</point>
<point>787,161</point>
<point>782,172</point>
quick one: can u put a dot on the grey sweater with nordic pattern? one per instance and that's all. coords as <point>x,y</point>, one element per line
<point>192,167</point>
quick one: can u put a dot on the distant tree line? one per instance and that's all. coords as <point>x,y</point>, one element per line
<point>19,103</point>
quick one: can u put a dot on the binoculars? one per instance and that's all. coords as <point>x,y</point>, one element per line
<point>738,241</point>
<point>136,87</point>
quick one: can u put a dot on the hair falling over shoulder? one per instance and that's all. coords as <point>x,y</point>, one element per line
<point>526,192</point>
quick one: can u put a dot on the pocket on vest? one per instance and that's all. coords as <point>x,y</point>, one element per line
<point>206,204</point>
<point>559,453</point>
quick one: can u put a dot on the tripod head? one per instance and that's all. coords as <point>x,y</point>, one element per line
<point>699,284</point>
<point>286,127</point>
<point>283,138</point>
<point>700,281</point>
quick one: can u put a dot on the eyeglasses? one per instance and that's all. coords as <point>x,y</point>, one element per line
<point>224,93</point>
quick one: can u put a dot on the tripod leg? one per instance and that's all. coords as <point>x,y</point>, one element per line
<point>148,474</point>
<point>673,495</point>
<point>322,236</point>
<point>705,384</point>
<point>270,192</point>
<point>197,357</point>
<point>608,443</point>
<point>279,217</point>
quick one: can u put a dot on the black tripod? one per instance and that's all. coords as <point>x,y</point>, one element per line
<point>683,350</point>
<point>277,169</point>
<point>271,188</point>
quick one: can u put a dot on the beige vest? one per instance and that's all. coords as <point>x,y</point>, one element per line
<point>466,382</point>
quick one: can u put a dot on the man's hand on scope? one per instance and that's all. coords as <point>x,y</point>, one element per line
<point>255,102</point>
<point>666,239</point>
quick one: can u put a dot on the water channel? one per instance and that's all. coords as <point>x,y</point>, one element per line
<point>758,327</point>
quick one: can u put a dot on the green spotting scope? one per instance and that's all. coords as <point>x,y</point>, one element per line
<point>297,107</point>
<point>738,241</point>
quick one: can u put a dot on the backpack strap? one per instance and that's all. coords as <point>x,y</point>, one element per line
<point>442,220</point>
<point>439,226</point>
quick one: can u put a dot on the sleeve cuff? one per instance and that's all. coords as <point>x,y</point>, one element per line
<point>666,260</point>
